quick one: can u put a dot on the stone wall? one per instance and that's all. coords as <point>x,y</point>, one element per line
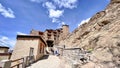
<point>71,53</point>
<point>73,56</point>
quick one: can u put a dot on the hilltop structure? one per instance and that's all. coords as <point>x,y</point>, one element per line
<point>36,43</point>
<point>99,38</point>
<point>52,37</point>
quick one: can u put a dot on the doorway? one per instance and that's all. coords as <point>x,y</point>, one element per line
<point>50,43</point>
<point>50,46</point>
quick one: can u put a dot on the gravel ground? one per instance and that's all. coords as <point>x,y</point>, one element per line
<point>48,62</point>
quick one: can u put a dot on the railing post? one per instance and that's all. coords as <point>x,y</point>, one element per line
<point>24,62</point>
<point>18,66</point>
<point>27,61</point>
<point>6,63</point>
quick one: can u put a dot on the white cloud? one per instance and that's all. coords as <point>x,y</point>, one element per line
<point>60,24</point>
<point>55,13</point>
<point>5,41</point>
<point>4,38</point>
<point>63,23</point>
<point>84,21</point>
<point>55,20</point>
<point>20,33</point>
<point>49,5</point>
<point>56,8</point>
<point>66,3</point>
<point>8,13</point>
<point>37,1</point>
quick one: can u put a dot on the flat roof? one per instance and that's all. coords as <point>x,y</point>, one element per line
<point>31,36</point>
<point>28,36</point>
<point>4,47</point>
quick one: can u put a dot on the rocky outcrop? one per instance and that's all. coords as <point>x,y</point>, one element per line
<point>115,1</point>
<point>101,35</point>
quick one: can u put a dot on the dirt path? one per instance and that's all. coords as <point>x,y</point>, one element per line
<point>48,62</point>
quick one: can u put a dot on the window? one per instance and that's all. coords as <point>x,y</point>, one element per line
<point>31,51</point>
<point>40,47</point>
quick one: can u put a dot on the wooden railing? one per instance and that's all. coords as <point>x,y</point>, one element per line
<point>23,62</point>
<point>29,60</point>
<point>18,64</point>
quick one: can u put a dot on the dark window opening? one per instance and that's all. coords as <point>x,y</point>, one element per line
<point>50,43</point>
<point>105,22</point>
<point>54,38</point>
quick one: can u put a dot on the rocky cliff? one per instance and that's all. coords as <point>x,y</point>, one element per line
<point>101,35</point>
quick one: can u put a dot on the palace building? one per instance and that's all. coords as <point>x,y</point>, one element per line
<point>52,37</point>
<point>37,42</point>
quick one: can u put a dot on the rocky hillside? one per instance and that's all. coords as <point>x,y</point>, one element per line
<point>101,35</point>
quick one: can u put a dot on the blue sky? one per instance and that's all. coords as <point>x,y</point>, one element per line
<point>21,16</point>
